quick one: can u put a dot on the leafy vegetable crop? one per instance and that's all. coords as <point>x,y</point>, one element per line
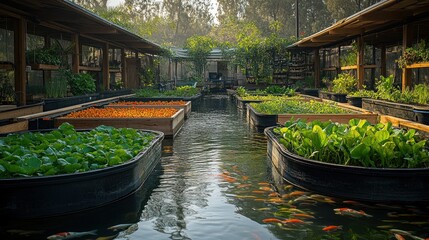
<point>358,143</point>
<point>65,150</point>
<point>298,107</point>
<point>184,91</point>
<point>123,113</point>
<point>150,103</point>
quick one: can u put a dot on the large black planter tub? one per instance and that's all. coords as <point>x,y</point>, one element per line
<point>348,182</point>
<point>34,197</point>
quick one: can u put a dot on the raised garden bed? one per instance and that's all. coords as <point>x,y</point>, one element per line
<point>12,125</point>
<point>405,111</point>
<point>186,106</point>
<point>345,181</point>
<point>169,125</point>
<point>241,103</point>
<point>50,195</point>
<point>263,120</point>
<point>21,111</point>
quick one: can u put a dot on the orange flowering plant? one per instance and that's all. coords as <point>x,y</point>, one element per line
<point>123,113</point>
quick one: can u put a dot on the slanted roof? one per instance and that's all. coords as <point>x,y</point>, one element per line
<point>67,16</point>
<point>381,16</point>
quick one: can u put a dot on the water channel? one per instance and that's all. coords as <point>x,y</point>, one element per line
<point>214,182</point>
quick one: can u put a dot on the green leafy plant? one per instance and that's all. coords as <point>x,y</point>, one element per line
<point>415,54</point>
<point>66,151</point>
<point>274,89</point>
<point>80,84</point>
<point>184,91</point>
<point>56,87</point>
<point>199,48</point>
<point>241,91</point>
<point>297,106</point>
<point>344,83</point>
<point>358,144</point>
<point>362,93</point>
<point>350,59</point>
<point>44,56</point>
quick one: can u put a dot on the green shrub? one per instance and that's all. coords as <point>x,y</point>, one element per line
<point>344,83</point>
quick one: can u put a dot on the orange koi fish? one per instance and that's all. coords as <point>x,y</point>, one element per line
<point>264,184</point>
<point>274,194</point>
<point>297,193</point>
<point>293,220</point>
<point>244,185</point>
<point>272,220</point>
<point>268,189</point>
<point>351,212</point>
<point>258,191</point>
<point>245,178</point>
<point>331,228</point>
<point>399,236</point>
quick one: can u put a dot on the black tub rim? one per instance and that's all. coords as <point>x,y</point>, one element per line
<point>66,177</point>
<point>361,170</point>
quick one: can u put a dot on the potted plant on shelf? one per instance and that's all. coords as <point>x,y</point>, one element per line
<point>416,54</point>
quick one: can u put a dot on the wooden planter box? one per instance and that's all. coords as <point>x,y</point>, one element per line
<point>186,108</point>
<point>261,121</point>
<point>242,103</point>
<point>9,126</point>
<point>21,111</point>
<point>401,110</point>
<point>169,126</point>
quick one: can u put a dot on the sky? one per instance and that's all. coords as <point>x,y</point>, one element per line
<point>113,3</point>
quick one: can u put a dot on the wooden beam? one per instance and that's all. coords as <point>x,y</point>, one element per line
<point>407,40</point>
<point>316,68</point>
<point>20,65</point>
<point>360,58</point>
<point>124,68</point>
<point>383,70</point>
<point>105,66</point>
<point>75,53</point>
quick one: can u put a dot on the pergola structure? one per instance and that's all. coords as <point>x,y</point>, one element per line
<point>385,24</point>
<point>53,17</point>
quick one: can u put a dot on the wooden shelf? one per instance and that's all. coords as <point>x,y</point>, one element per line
<point>44,67</point>
<point>329,69</point>
<point>6,66</point>
<point>114,70</point>
<point>419,65</point>
<point>349,67</point>
<point>86,68</point>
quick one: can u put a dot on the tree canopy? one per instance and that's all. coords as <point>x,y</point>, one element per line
<point>171,22</point>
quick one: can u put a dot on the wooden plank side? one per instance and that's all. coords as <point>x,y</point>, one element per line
<point>340,118</point>
<point>21,112</point>
<point>14,127</point>
<point>399,122</point>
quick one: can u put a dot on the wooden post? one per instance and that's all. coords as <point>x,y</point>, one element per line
<point>105,64</point>
<point>138,65</point>
<point>339,60</point>
<point>75,53</point>
<point>383,70</point>
<point>360,57</point>
<point>20,73</point>
<point>316,68</point>
<point>407,40</point>
<point>124,68</point>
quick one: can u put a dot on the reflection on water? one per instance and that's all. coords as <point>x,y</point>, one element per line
<point>215,183</point>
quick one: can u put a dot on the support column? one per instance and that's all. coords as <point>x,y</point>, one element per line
<point>75,53</point>
<point>339,60</point>
<point>124,68</point>
<point>407,41</point>
<point>20,37</point>
<point>383,70</point>
<point>360,57</point>
<point>105,64</point>
<point>316,68</point>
